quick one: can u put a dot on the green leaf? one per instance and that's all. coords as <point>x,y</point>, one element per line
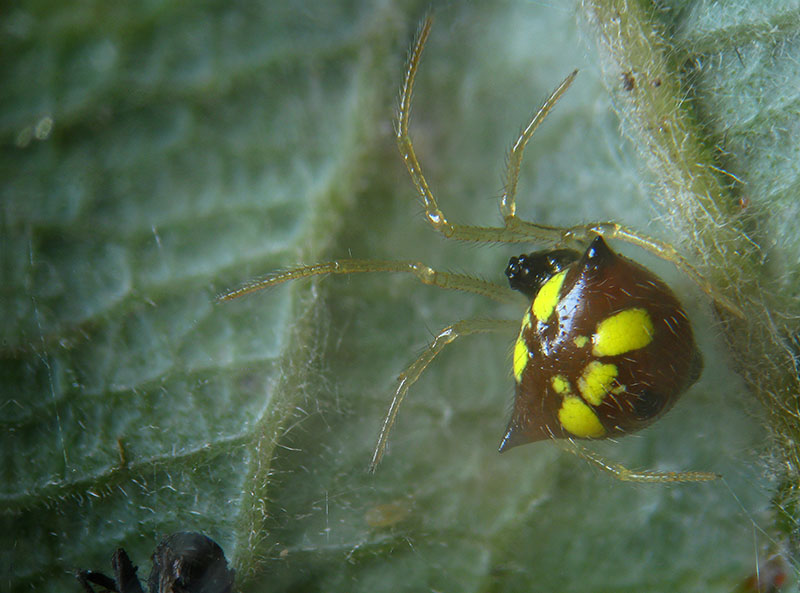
<point>156,155</point>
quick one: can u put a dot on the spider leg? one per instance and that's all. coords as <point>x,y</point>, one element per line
<point>624,474</point>
<point>423,273</point>
<point>410,376</point>
<point>582,234</point>
<point>611,230</point>
<point>505,234</point>
<point>508,205</point>
<point>516,230</point>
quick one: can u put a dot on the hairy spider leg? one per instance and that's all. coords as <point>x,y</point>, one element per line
<point>624,474</point>
<point>514,229</point>
<point>409,376</point>
<point>423,273</point>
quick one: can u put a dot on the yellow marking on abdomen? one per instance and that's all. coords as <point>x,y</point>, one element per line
<point>580,341</point>
<point>521,355</point>
<point>526,320</point>
<point>547,298</point>
<point>627,330</point>
<point>595,381</point>
<point>560,385</point>
<point>579,419</point>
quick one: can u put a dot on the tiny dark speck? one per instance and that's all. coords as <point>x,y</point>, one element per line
<point>628,81</point>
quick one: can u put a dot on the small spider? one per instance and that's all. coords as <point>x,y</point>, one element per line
<point>184,562</point>
<point>605,348</point>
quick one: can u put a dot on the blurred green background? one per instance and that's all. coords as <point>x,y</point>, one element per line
<point>157,153</point>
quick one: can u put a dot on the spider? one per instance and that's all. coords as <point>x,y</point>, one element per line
<point>605,348</point>
<point>184,562</point>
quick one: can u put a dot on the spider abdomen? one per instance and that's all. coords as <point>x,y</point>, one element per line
<point>604,349</point>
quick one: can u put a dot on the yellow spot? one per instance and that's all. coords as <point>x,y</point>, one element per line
<point>520,358</point>
<point>595,381</point>
<point>627,330</point>
<point>560,384</point>
<point>547,298</point>
<point>526,321</point>
<point>579,419</point>
<point>580,341</point>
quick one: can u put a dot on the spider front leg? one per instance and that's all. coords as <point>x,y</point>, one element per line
<point>511,232</point>
<point>423,273</point>
<point>410,376</point>
<point>508,206</point>
<point>514,229</point>
<point>581,234</point>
